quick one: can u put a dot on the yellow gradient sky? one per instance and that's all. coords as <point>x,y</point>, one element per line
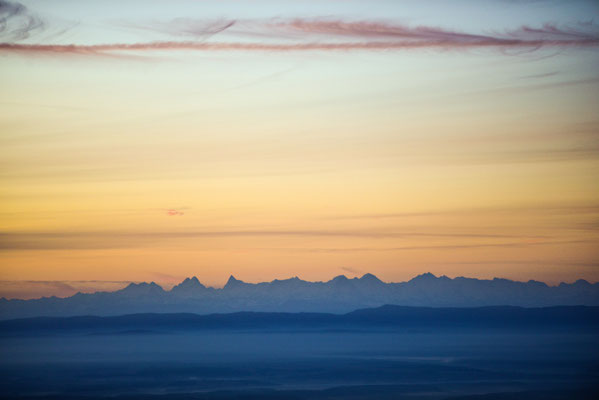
<point>434,151</point>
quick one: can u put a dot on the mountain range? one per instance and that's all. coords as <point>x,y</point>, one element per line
<point>339,295</point>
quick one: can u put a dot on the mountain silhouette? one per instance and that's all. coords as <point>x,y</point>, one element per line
<point>190,288</point>
<point>339,295</point>
<point>560,318</point>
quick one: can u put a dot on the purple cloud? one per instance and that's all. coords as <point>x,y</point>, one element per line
<point>331,35</point>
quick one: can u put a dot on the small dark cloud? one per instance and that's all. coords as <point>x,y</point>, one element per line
<point>16,21</point>
<point>174,213</point>
<point>540,76</point>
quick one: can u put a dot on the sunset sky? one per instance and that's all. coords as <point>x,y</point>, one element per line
<point>154,140</point>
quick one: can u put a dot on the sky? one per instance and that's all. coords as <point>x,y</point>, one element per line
<point>155,140</point>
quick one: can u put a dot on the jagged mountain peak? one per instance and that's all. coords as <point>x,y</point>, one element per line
<point>370,278</point>
<point>340,278</point>
<point>142,288</point>
<point>233,282</point>
<point>295,279</point>
<point>340,294</point>
<point>188,285</point>
<point>427,276</point>
<point>143,285</point>
<point>537,283</point>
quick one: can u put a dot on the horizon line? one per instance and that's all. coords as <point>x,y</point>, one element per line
<point>232,279</point>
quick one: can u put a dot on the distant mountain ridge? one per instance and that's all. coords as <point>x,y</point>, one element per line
<point>339,295</point>
<point>562,318</point>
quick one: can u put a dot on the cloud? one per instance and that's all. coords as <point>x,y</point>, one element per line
<point>526,262</point>
<point>329,35</point>
<point>105,240</point>
<point>565,209</point>
<point>170,279</point>
<point>540,76</point>
<point>16,22</point>
<point>24,289</point>
<point>173,213</point>
<point>9,10</point>
<point>434,247</point>
<point>352,270</point>
<point>374,29</point>
<point>187,27</point>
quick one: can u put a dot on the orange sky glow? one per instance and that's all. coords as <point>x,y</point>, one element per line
<point>390,147</point>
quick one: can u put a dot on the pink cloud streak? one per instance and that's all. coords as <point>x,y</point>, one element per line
<point>363,35</point>
<point>173,213</point>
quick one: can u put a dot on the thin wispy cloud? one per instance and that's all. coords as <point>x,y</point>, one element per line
<point>32,289</point>
<point>102,240</point>
<point>548,34</point>
<point>187,27</point>
<point>293,35</point>
<point>284,47</point>
<point>522,243</point>
<point>561,210</point>
<point>352,270</point>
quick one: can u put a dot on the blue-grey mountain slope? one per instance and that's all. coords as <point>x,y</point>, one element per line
<point>339,295</point>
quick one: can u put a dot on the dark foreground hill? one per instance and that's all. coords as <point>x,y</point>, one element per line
<point>339,295</point>
<point>385,353</point>
<point>387,317</point>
